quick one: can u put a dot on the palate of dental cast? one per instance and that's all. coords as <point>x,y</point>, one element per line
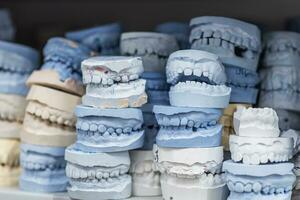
<point>113,82</point>
<point>268,179</point>
<point>103,39</point>
<point>145,175</point>
<point>109,130</point>
<point>153,48</point>
<point>256,122</point>
<point>45,164</point>
<point>236,42</point>
<point>281,48</point>
<point>198,80</point>
<point>254,150</point>
<point>98,175</point>
<point>187,127</point>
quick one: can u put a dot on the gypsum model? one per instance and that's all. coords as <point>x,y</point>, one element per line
<point>150,127</point>
<point>43,169</point>
<point>269,181</point>
<point>113,82</point>
<point>179,30</point>
<point>279,85</point>
<point>98,175</point>
<point>109,130</point>
<point>281,48</point>
<point>191,173</point>
<point>49,118</point>
<point>198,80</point>
<point>237,43</point>
<point>295,135</point>
<point>153,48</point>
<point>145,175</point>
<point>184,127</point>
<point>61,68</point>
<point>103,39</point>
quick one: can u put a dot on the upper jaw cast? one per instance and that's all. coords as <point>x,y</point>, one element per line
<point>194,74</point>
<point>113,82</point>
<point>237,42</point>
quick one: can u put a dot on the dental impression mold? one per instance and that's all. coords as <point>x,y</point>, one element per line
<point>98,175</point>
<point>109,130</point>
<point>184,127</point>
<point>198,80</point>
<point>191,173</point>
<point>237,43</point>
<point>153,48</point>
<point>259,182</point>
<point>179,30</point>
<point>61,68</point>
<point>9,160</point>
<point>43,168</point>
<point>145,175</point>
<point>49,118</point>
<point>113,82</point>
<point>103,39</point>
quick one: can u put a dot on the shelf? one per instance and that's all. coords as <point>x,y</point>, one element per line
<point>16,194</point>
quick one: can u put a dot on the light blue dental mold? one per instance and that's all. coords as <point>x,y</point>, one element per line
<point>65,57</point>
<point>98,175</point>
<point>157,88</point>
<point>7,29</point>
<point>185,127</point>
<point>198,80</point>
<point>153,48</point>
<point>237,43</point>
<point>108,130</point>
<point>150,127</point>
<point>179,30</point>
<point>103,39</point>
<point>43,169</point>
<point>281,48</point>
<point>16,64</point>
<point>242,83</point>
<point>268,181</point>
<point>280,87</point>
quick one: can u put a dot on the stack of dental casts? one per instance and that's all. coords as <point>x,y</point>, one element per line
<point>103,39</point>
<point>154,49</point>
<point>108,125</point>
<point>17,62</point>
<point>49,123</point>
<point>259,168</point>
<point>7,29</point>
<point>238,44</point>
<point>179,30</point>
<point>189,154</point>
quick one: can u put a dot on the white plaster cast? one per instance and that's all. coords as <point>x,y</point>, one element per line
<point>251,150</point>
<point>145,176</point>
<point>256,122</point>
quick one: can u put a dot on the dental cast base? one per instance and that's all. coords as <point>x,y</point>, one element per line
<point>184,127</point>
<point>191,173</point>
<point>198,80</point>
<point>113,82</point>
<point>98,175</point>
<point>256,182</point>
<point>236,42</point>
<point>43,169</point>
<point>153,48</point>
<point>109,130</point>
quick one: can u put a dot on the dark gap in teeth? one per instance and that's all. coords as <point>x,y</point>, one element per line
<point>145,54</point>
<point>50,123</point>
<point>184,78</point>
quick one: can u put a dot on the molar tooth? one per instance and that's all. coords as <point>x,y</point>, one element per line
<point>217,34</point>
<point>110,81</point>
<point>133,77</point>
<point>179,70</point>
<point>38,112</point>
<point>52,118</point>
<point>238,187</point>
<point>105,175</point>
<point>257,187</point>
<point>217,42</point>
<point>279,190</point>
<point>166,121</point>
<point>93,127</point>
<point>60,120</point>
<point>266,189</point>
<point>111,130</point>
<point>127,130</point>
<point>238,41</point>
<point>226,35</point>
<point>83,174</point>
<point>225,44</point>
<point>119,130</point>
<point>45,115</point>
<point>246,42</point>
<point>190,123</point>
<point>174,121</point>
<point>248,187</point>
<point>106,134</point>
<point>183,121</point>
<point>197,72</point>
<point>99,174</point>
<point>124,78</point>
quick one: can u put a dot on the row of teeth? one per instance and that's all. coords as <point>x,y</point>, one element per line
<point>191,85</point>
<point>57,60</point>
<point>41,166</point>
<point>83,173</point>
<point>13,68</point>
<point>105,134</point>
<point>255,158</point>
<point>144,167</point>
<point>230,38</point>
<point>98,79</point>
<point>165,121</point>
<point>280,46</point>
<point>102,181</point>
<point>11,116</point>
<point>256,187</point>
<point>93,127</point>
<point>54,116</point>
<point>274,82</point>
